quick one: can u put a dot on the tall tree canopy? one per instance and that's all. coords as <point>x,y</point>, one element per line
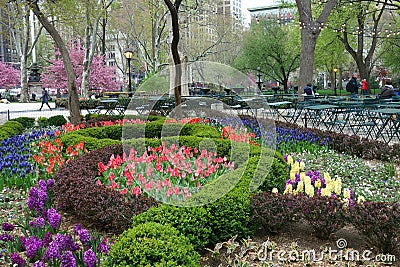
<point>272,47</point>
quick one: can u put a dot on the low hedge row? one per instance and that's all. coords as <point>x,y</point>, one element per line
<point>27,122</point>
<point>57,120</point>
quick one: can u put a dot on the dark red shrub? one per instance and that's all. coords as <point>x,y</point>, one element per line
<point>379,222</point>
<point>326,215</point>
<point>272,211</point>
<point>77,193</point>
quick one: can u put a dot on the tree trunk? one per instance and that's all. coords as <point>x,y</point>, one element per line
<point>308,42</point>
<point>24,80</point>
<point>310,30</point>
<point>173,8</point>
<point>73,99</point>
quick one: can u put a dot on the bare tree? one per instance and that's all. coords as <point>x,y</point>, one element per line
<point>363,54</point>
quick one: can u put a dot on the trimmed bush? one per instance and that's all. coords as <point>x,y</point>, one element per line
<point>200,130</point>
<point>27,122</point>
<point>190,221</point>
<point>152,244</point>
<point>57,120</point>
<point>91,143</point>
<point>42,122</point>
<point>379,222</point>
<point>77,193</point>
<point>277,175</point>
<point>12,127</point>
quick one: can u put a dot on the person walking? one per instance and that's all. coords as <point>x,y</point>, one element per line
<point>45,99</point>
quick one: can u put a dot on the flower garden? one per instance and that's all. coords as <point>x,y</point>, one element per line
<point>101,194</point>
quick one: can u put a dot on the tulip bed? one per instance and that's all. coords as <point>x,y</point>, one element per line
<point>126,192</point>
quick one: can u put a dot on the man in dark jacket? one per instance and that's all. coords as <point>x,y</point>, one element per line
<point>353,85</point>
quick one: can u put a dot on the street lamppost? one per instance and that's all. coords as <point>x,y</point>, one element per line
<point>335,70</point>
<point>259,77</point>
<point>128,55</point>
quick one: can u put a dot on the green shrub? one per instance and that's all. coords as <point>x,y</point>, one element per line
<point>201,130</point>
<point>57,120</point>
<point>131,131</point>
<point>12,127</point>
<point>4,134</point>
<point>152,244</point>
<point>27,122</point>
<point>189,221</point>
<point>277,175</point>
<point>230,215</point>
<point>43,122</point>
<point>91,143</point>
<point>112,132</point>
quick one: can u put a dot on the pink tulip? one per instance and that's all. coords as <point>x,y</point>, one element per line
<point>136,191</point>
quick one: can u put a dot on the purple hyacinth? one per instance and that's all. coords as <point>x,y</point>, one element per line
<point>7,226</point>
<point>43,197</point>
<point>42,185</point>
<point>77,227</point>
<point>50,183</point>
<point>53,252</point>
<point>84,236</point>
<point>89,258</point>
<point>32,246</point>
<point>70,244</point>
<point>53,218</point>
<point>38,264</point>
<point>16,259</point>
<point>33,198</point>
<point>40,222</point>
<point>103,247</point>
<point>59,239</point>
<point>6,237</point>
<point>68,260</point>
<point>22,240</point>
<point>47,239</point>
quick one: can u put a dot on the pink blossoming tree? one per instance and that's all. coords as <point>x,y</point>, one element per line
<point>101,76</point>
<point>10,77</point>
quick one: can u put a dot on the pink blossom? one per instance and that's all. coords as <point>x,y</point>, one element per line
<point>136,191</point>
<point>111,176</point>
<point>149,185</point>
<point>169,192</point>
<point>177,191</point>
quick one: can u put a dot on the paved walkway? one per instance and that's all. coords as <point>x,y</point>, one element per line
<point>15,110</point>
